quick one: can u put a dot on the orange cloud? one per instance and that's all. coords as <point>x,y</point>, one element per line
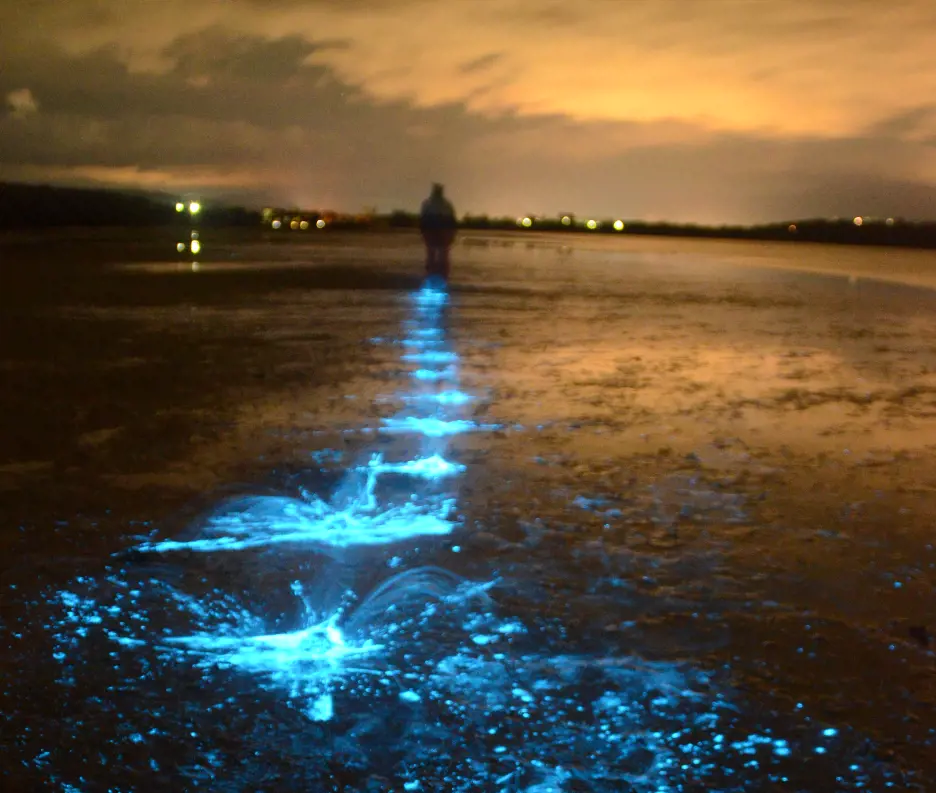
<point>713,110</point>
<point>781,68</point>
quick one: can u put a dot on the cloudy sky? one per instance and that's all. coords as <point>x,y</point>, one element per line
<point>689,110</point>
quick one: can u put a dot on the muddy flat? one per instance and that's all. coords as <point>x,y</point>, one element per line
<point>606,514</point>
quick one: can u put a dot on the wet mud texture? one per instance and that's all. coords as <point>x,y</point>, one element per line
<point>705,513</point>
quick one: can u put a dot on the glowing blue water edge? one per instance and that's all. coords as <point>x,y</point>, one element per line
<point>389,673</point>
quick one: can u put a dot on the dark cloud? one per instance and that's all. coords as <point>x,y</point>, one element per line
<point>218,53</point>
<point>916,122</point>
<point>214,77</point>
<point>260,106</point>
<point>482,63</point>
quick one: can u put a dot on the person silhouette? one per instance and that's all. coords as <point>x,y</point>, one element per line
<point>438,225</point>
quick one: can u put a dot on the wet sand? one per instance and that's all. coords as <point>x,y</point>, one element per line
<point>712,469</point>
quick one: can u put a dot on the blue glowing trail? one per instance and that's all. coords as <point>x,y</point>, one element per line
<point>354,517</point>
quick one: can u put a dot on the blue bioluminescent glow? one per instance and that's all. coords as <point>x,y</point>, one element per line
<point>434,467</point>
<point>427,296</point>
<point>423,343</point>
<point>323,643</point>
<point>430,642</point>
<point>434,375</point>
<point>431,357</point>
<point>451,397</point>
<point>430,427</point>
<point>277,520</point>
<point>419,588</point>
<point>430,332</point>
<point>306,664</point>
<point>353,517</point>
<point>303,662</point>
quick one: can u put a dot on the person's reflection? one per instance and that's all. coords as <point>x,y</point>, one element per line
<point>437,224</point>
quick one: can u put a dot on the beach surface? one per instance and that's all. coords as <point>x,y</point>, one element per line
<point>685,542</point>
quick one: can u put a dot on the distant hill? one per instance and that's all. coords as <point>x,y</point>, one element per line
<point>43,206</point>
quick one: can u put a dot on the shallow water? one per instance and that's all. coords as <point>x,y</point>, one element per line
<point>642,515</point>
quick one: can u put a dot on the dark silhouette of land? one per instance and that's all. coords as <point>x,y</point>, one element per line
<point>26,206</point>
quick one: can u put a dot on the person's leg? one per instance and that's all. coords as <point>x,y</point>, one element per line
<point>428,242</point>
<point>444,263</point>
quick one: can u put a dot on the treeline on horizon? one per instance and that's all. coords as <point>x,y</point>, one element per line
<point>28,206</point>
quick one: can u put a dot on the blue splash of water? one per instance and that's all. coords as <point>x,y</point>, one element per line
<point>306,663</point>
<point>276,520</point>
